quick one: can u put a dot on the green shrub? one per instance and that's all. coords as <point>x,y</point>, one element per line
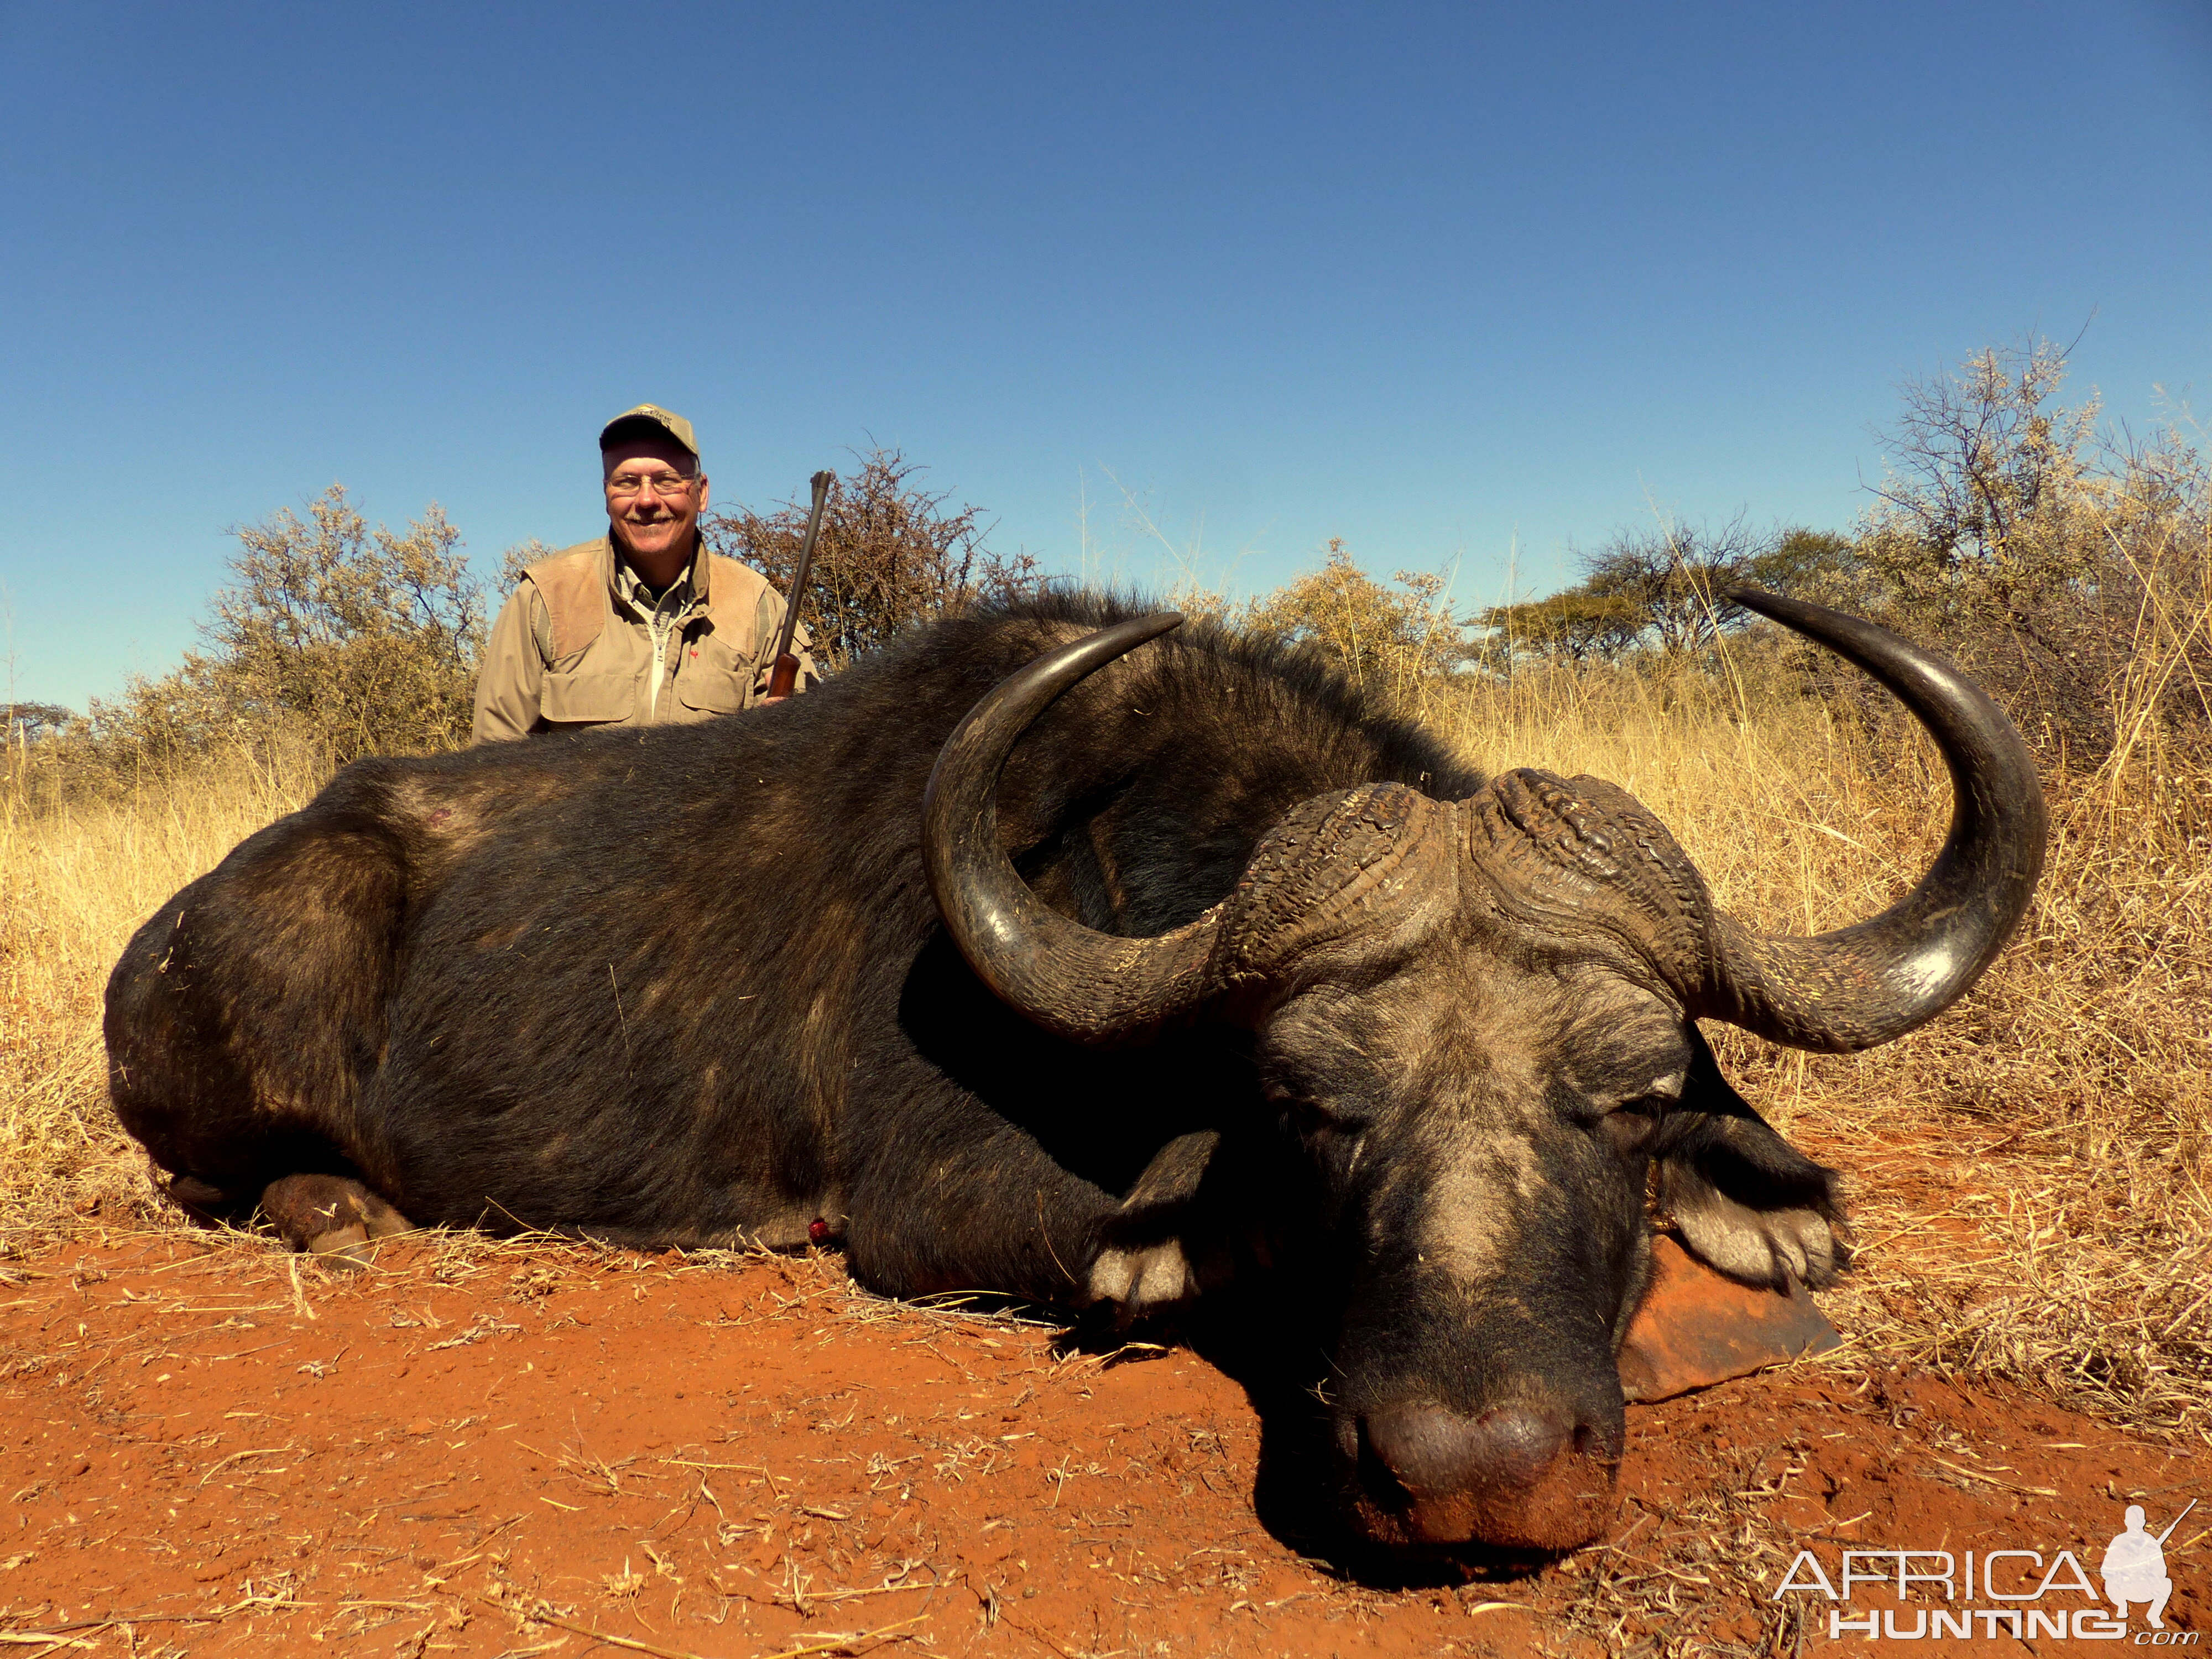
<point>1399,643</point>
<point>333,641</point>
<point>2067,569</point>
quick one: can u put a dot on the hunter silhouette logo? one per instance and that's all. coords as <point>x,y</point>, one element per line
<point>2021,1595</point>
<point>2134,1566</point>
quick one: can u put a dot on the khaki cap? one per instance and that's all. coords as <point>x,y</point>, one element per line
<point>648,414</point>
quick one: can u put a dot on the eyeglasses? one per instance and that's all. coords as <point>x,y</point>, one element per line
<point>661,483</point>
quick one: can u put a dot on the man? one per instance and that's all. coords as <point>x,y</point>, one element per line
<point>643,625</point>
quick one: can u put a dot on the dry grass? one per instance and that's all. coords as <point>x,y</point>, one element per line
<point>2030,1172</point>
<point>75,880</point>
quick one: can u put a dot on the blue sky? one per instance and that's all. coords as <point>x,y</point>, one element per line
<point>1470,283</point>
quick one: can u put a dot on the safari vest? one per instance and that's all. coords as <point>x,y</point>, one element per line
<point>568,651</point>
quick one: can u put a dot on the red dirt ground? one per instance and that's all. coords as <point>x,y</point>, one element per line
<point>486,1448</point>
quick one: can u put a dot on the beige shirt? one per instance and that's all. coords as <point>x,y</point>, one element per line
<point>583,643</point>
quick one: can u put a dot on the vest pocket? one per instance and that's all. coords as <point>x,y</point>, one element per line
<point>716,680</point>
<point>586,699</point>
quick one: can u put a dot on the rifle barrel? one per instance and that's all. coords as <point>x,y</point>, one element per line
<point>783,676</point>
<point>2176,1522</point>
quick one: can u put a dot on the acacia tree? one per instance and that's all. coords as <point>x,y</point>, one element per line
<point>891,555</point>
<point>1664,590</point>
<point>1572,626</point>
<point>1674,578</point>
<point>31,722</point>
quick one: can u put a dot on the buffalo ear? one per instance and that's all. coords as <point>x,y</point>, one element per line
<point>1694,1328</point>
<point>1745,1200</point>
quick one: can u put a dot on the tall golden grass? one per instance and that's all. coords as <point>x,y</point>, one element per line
<point>76,878</point>
<point>2030,1172</point>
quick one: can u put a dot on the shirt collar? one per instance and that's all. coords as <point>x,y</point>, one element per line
<point>687,590</point>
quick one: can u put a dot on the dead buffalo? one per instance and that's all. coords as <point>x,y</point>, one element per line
<point>1185,955</point>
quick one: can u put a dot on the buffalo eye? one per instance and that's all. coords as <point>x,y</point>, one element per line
<point>1313,1117</point>
<point>1630,1124</point>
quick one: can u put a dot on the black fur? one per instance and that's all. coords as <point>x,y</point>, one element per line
<point>680,984</point>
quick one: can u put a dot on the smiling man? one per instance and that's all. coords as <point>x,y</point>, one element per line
<point>643,625</point>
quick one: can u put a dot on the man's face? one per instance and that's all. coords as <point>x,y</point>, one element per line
<point>654,496</point>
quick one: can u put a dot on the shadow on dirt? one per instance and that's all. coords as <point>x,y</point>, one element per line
<point>1275,1345</point>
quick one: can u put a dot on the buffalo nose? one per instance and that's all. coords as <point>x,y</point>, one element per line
<point>1433,1451</point>
<point>1521,1476</point>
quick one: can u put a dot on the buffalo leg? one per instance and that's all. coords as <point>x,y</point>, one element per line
<point>999,1214</point>
<point>333,1217</point>
<point>992,1214</point>
<point>1184,1227</point>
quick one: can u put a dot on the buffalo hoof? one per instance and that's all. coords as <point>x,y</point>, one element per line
<point>1143,1280</point>
<point>1517,1477</point>
<point>345,1248</point>
<point>330,1216</point>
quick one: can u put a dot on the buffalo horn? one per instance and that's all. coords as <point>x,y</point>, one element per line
<point>1868,984</point>
<point>1078,983</point>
